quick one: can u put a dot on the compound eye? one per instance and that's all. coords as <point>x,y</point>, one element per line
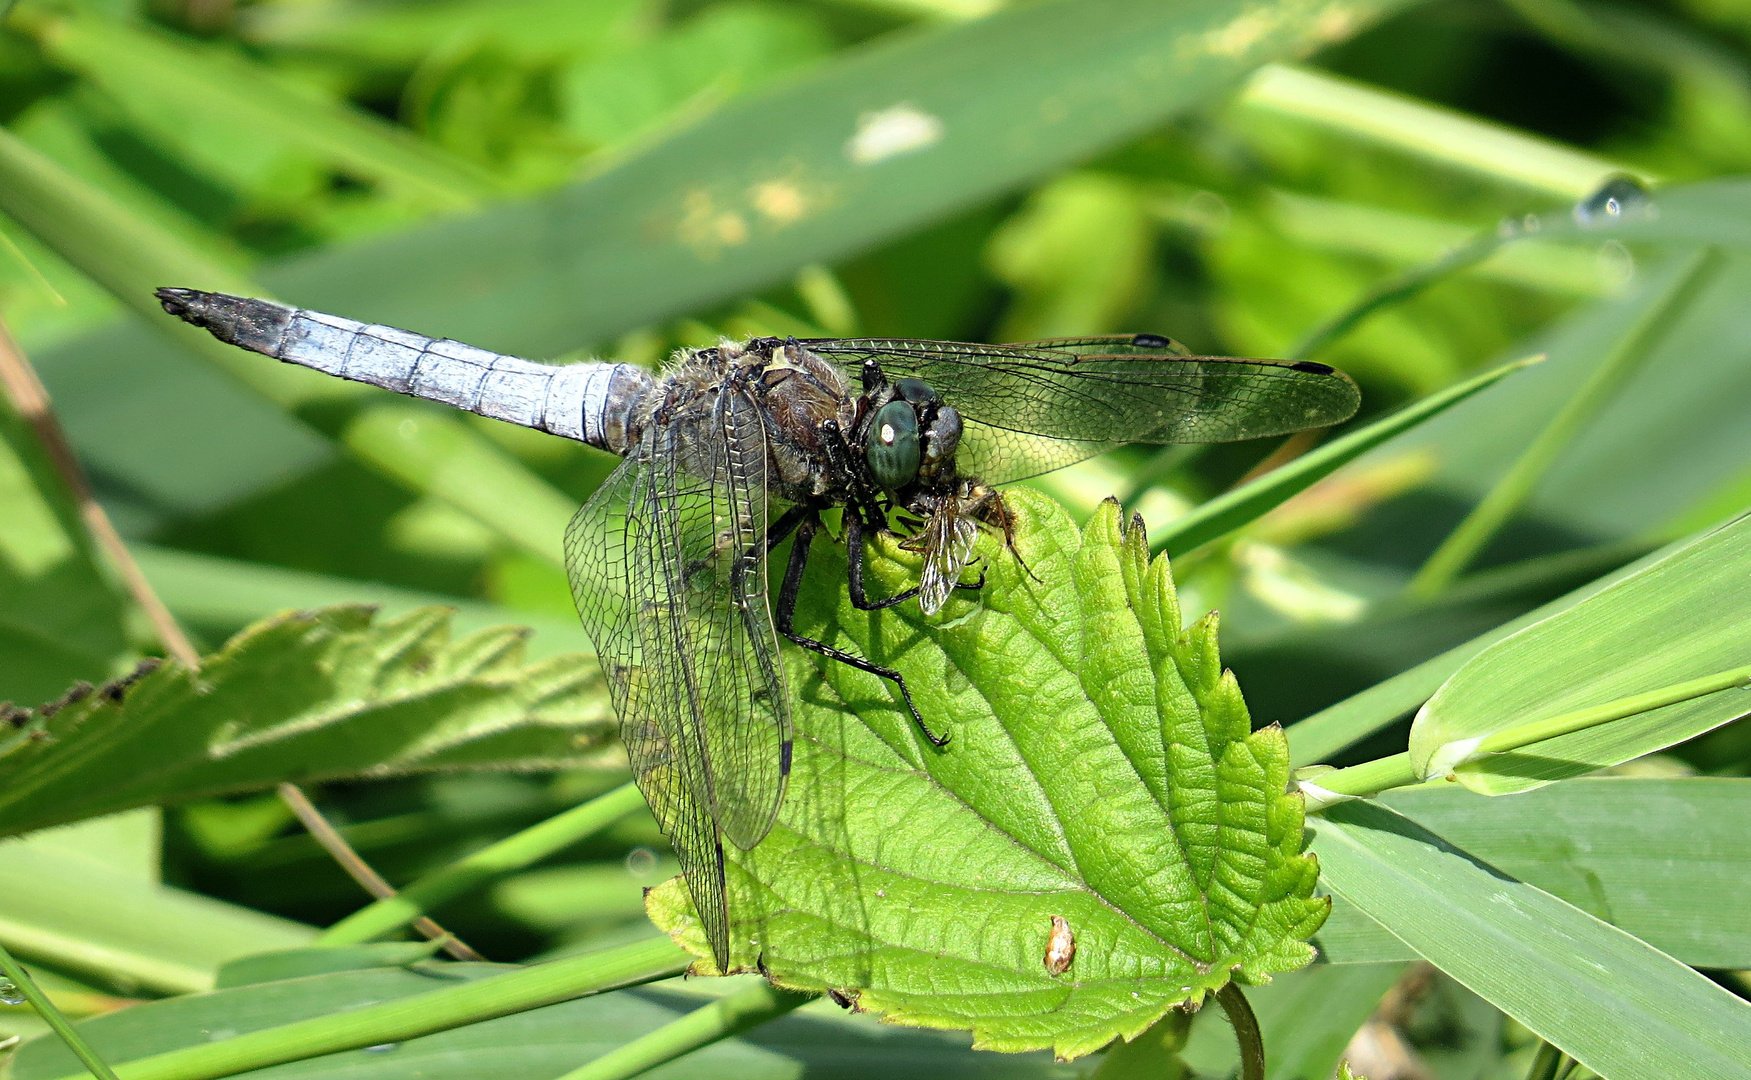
<point>893,445</point>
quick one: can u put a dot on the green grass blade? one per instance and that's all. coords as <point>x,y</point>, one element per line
<point>79,915</point>
<point>19,982</point>
<point>1647,641</point>
<point>220,596</point>
<point>880,142</point>
<point>1664,310</point>
<point>1662,859</point>
<point>1230,511</point>
<point>475,870</point>
<point>178,79</point>
<point>1610,1000</point>
<point>421,1014</point>
<point>724,1018</point>
<point>1430,131</point>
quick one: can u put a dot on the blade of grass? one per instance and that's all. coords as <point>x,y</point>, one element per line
<point>1429,131</point>
<point>422,1014</point>
<point>128,58</point>
<point>724,1018</point>
<point>1229,511</point>
<point>1487,518</point>
<point>1606,998</point>
<point>130,257</point>
<point>28,989</point>
<point>1328,731</point>
<point>488,864</point>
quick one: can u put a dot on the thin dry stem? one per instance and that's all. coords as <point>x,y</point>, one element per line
<point>361,871</point>
<point>28,396</point>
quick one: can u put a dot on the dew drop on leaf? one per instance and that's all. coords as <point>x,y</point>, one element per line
<point>10,994</point>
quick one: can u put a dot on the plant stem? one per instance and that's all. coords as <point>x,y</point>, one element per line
<point>1373,777</point>
<point>1581,719</point>
<point>15,973</point>
<point>32,402</point>
<point>422,1014</point>
<point>1246,1031</point>
<point>722,1019</point>
<point>512,853</point>
<point>1511,491</point>
<point>363,873</point>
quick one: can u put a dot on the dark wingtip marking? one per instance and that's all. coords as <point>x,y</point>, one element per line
<point>784,758</point>
<point>1313,368</point>
<point>1152,341</point>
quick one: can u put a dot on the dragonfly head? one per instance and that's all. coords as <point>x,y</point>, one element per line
<point>911,437</point>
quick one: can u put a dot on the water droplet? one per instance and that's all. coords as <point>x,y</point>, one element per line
<point>1620,198</point>
<point>381,1048</point>
<point>10,993</point>
<point>640,861</point>
<point>883,893</point>
<point>1616,264</point>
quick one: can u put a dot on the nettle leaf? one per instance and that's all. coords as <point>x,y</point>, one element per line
<point>308,695</point>
<point>1102,788</point>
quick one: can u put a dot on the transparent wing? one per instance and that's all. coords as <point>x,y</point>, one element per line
<point>668,568</point>
<point>1034,399</point>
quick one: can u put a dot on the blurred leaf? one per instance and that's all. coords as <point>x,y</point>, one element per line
<point>266,967</point>
<point>60,618</point>
<point>1660,859</point>
<point>434,451</point>
<point>165,82</point>
<point>65,908</point>
<point>535,1045</point>
<point>726,49</point>
<point>883,140</point>
<point>1101,769</point>
<point>404,34</point>
<point>306,696</point>
<point>1077,257</point>
<point>221,596</point>
<point>1330,730</point>
<point>1679,619</point>
<point>1608,999</point>
<point>1247,503</point>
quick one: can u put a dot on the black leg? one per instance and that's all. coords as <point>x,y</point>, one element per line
<point>785,614</point>
<point>854,571</point>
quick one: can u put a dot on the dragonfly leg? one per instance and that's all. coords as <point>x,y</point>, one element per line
<point>854,571</point>
<point>861,497</point>
<point>784,618</point>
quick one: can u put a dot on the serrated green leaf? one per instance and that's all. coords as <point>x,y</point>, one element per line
<point>1681,618</point>
<point>1101,769</point>
<point>304,696</point>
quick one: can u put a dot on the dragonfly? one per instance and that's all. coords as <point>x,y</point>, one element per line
<point>732,449</point>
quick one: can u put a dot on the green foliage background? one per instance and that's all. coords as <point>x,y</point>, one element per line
<point>616,178</point>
